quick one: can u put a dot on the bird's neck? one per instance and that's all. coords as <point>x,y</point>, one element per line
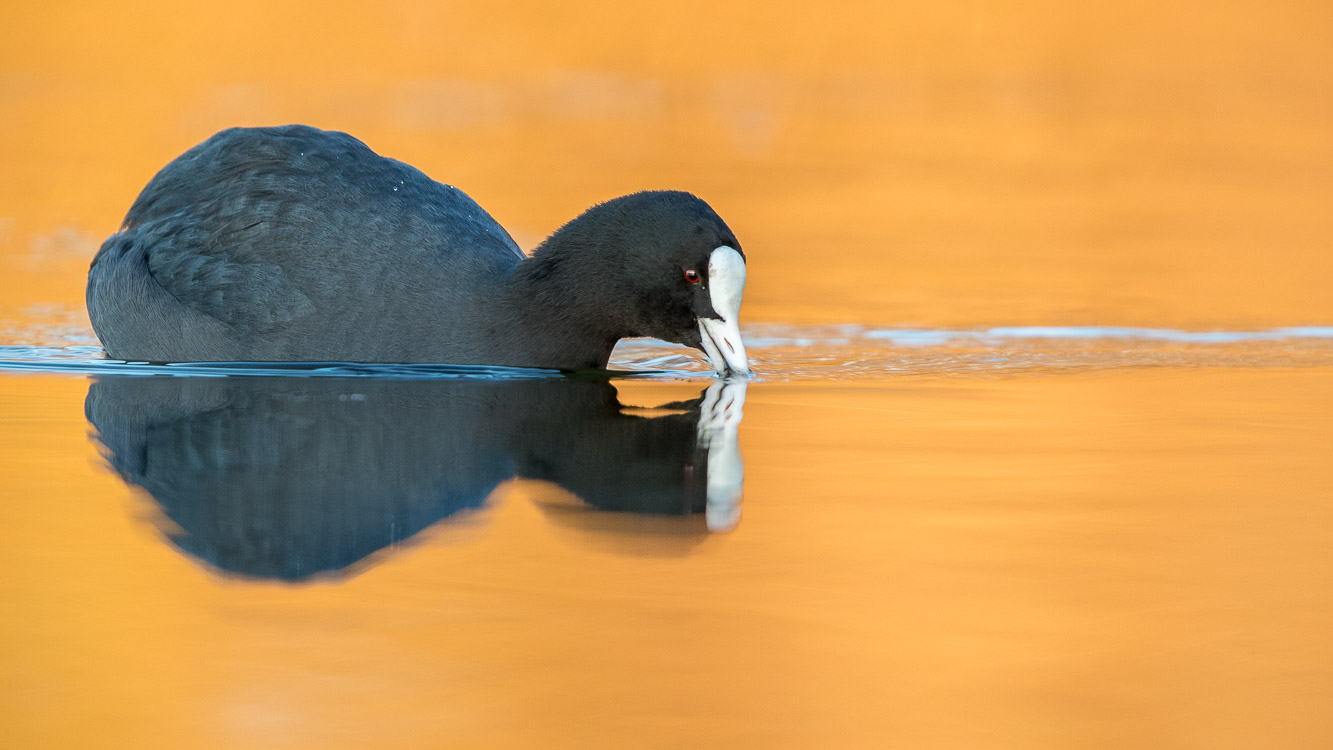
<point>550,308</point>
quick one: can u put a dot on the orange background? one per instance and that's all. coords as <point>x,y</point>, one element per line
<point>958,163</point>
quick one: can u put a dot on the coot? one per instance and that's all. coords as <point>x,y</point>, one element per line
<point>297,244</point>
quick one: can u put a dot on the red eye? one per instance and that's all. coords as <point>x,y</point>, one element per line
<point>692,276</point>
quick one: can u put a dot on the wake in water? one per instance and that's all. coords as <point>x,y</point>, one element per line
<point>780,353</point>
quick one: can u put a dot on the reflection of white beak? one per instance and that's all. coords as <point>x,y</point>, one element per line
<point>722,338</point>
<point>719,418</point>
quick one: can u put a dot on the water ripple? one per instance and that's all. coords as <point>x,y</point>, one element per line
<point>784,352</point>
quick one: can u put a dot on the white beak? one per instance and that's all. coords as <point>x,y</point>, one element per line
<point>722,338</point>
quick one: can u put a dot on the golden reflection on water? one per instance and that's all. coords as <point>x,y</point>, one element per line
<point>1133,557</point>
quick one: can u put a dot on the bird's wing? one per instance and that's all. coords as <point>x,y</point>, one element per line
<point>221,275</point>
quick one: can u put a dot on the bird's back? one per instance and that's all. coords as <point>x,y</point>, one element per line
<point>284,243</point>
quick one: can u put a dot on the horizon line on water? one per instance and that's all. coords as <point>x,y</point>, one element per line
<point>86,357</point>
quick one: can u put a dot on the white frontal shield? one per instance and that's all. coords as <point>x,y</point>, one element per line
<point>722,338</point>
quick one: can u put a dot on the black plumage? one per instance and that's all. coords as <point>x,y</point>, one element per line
<point>297,244</point>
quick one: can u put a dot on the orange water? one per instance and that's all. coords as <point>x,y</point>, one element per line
<point>1048,556</point>
<point>1081,560</point>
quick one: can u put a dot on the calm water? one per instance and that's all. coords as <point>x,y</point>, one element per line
<point>1038,457</point>
<point>1016,537</point>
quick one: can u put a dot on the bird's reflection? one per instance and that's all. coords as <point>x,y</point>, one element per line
<point>289,478</point>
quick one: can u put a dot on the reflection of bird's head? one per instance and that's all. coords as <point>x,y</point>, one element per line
<point>624,459</point>
<point>668,502</point>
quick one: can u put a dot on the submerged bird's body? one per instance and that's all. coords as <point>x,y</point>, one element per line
<point>296,244</point>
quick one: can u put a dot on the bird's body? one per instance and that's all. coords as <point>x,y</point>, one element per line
<point>296,244</point>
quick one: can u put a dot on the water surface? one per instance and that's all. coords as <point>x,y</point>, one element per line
<point>1001,537</point>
